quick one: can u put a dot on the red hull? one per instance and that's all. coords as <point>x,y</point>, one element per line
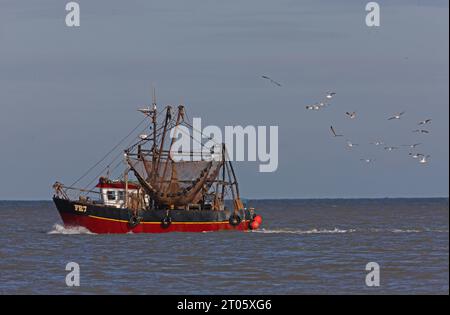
<point>104,225</point>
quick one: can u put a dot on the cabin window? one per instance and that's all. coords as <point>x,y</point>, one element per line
<point>111,195</point>
<point>121,195</point>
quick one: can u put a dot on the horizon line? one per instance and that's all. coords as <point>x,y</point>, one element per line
<point>277,198</point>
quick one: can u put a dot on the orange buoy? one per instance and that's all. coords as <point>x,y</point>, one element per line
<point>254,225</point>
<point>258,219</point>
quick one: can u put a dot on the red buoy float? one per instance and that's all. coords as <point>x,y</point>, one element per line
<point>254,225</point>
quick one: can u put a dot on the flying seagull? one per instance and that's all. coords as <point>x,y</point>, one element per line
<point>334,132</point>
<point>416,155</point>
<point>421,131</point>
<point>377,143</point>
<point>390,148</point>
<point>351,144</point>
<point>412,146</point>
<point>313,107</point>
<point>272,81</point>
<point>351,115</point>
<point>424,122</point>
<point>330,95</point>
<point>396,116</point>
<point>424,159</point>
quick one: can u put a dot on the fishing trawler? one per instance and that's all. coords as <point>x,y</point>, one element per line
<point>160,189</point>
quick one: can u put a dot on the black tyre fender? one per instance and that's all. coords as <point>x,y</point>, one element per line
<point>134,221</point>
<point>166,222</point>
<point>234,220</point>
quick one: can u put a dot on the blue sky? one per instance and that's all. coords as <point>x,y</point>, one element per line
<point>68,95</point>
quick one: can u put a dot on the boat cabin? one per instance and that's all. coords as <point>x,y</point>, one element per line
<point>113,192</point>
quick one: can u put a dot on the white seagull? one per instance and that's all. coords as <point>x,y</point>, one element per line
<point>330,95</point>
<point>367,160</point>
<point>390,148</point>
<point>412,146</point>
<point>351,144</point>
<point>421,131</point>
<point>424,122</point>
<point>396,116</point>
<point>416,155</point>
<point>424,159</point>
<point>377,143</point>
<point>313,107</point>
<point>334,132</point>
<point>351,115</point>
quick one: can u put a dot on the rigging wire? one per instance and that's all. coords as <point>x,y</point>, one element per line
<point>107,154</point>
<point>130,146</point>
<point>119,154</point>
<point>201,132</point>
<point>114,148</point>
<point>159,131</point>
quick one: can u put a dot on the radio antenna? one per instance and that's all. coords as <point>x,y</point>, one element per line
<point>154,98</point>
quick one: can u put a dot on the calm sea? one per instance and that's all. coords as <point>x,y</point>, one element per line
<point>304,247</point>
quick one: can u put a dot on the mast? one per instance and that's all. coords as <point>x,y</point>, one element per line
<point>233,184</point>
<point>126,188</point>
<point>168,182</point>
<point>223,171</point>
<point>180,116</point>
<point>163,137</point>
<point>154,116</point>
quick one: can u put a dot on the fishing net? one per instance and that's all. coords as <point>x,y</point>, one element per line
<point>177,183</point>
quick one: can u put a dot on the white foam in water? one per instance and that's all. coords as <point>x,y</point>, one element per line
<point>340,231</point>
<point>395,231</point>
<point>405,231</point>
<point>312,231</point>
<point>61,229</point>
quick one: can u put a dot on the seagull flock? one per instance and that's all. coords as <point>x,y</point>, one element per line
<point>421,128</point>
<point>422,158</point>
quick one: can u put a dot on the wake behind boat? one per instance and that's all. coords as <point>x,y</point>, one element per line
<point>161,189</point>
